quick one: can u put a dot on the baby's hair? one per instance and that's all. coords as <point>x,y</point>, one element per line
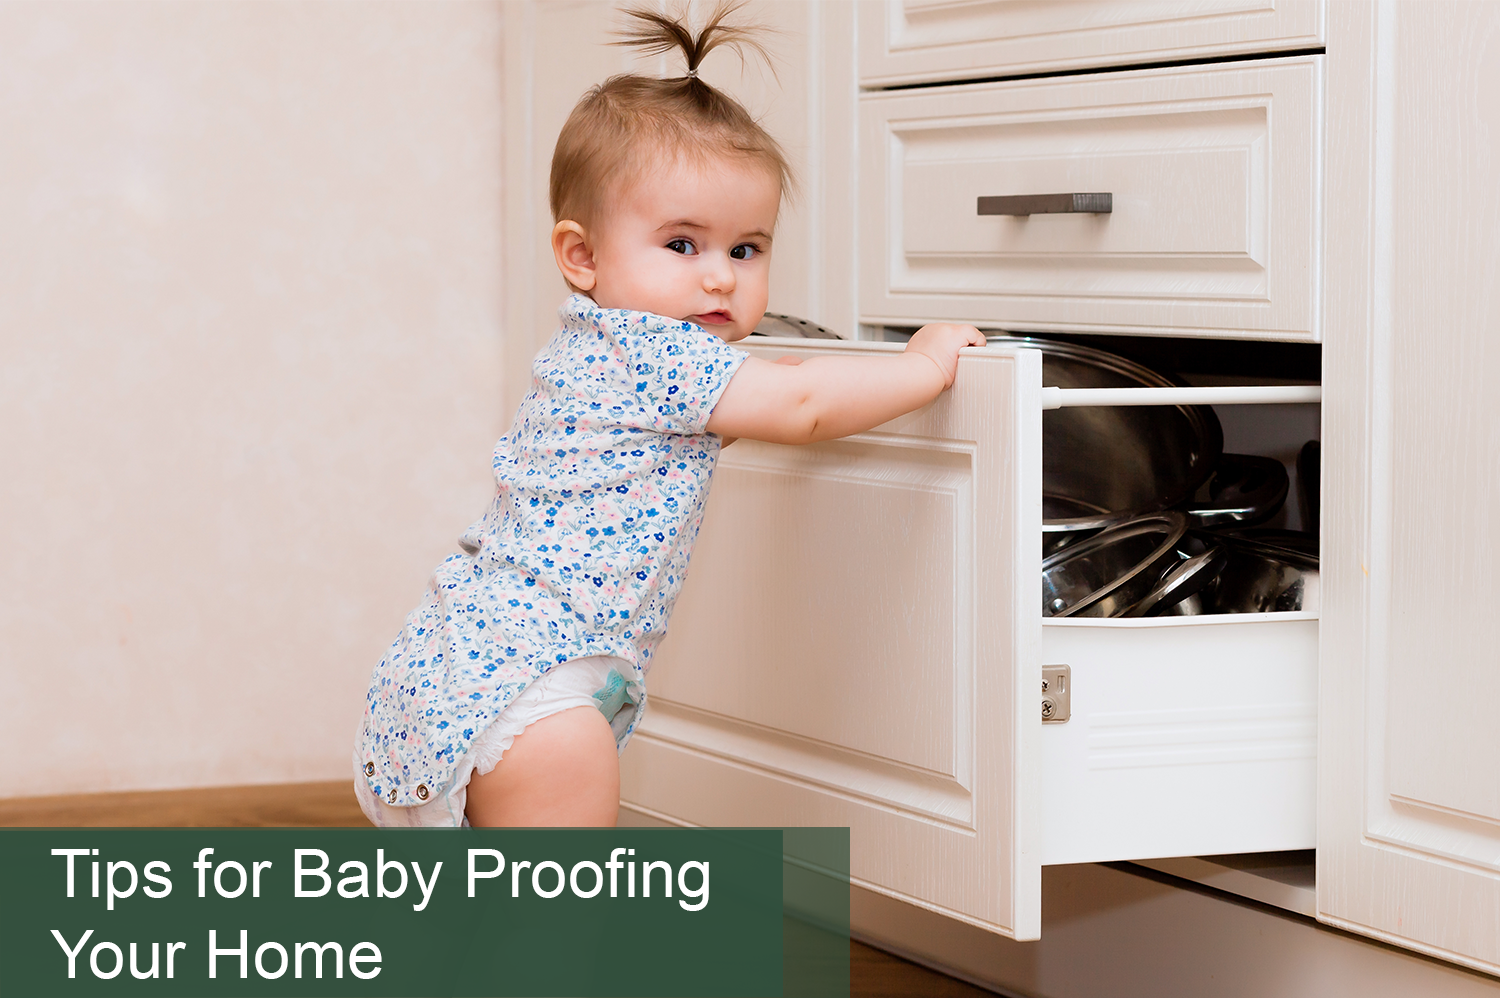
<point>620,127</point>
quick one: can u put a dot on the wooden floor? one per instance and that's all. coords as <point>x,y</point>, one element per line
<point>872,973</point>
<point>290,805</point>
<point>875,974</point>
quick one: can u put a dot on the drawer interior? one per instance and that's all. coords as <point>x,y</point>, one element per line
<point>1194,735</point>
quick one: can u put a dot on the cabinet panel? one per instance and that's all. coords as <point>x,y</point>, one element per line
<point>1409,821</point>
<point>1213,175</point>
<point>857,645</point>
<point>912,590</point>
<point>910,41</point>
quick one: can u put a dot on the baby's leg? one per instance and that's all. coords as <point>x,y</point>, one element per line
<point>562,771</point>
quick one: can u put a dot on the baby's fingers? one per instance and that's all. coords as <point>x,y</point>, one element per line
<point>961,336</point>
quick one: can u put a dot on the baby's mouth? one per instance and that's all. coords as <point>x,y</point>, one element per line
<point>718,318</point>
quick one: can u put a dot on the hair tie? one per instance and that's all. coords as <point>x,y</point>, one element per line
<point>692,74</point>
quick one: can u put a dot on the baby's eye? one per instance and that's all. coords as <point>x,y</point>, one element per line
<point>683,246</point>
<point>744,251</point>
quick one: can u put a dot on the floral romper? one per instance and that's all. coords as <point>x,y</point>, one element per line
<point>601,485</point>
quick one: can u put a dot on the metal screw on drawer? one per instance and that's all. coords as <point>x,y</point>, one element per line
<point>1057,682</point>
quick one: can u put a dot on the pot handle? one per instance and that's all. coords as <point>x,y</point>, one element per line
<point>1308,463</point>
<point>1245,489</point>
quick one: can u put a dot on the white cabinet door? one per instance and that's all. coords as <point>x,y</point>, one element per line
<point>857,644</point>
<point>1409,748</point>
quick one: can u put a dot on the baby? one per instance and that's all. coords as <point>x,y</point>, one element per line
<point>508,695</point>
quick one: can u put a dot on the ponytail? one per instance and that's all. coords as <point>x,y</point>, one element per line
<point>629,122</point>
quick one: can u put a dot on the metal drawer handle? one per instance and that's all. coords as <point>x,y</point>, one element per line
<point>1047,204</point>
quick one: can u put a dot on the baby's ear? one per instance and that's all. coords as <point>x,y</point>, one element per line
<point>570,248</point>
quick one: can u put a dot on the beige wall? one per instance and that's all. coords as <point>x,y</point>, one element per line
<point>250,359</point>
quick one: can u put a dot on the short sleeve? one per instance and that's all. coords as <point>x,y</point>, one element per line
<point>678,374</point>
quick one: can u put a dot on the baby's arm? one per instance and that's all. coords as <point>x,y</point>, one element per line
<point>828,397</point>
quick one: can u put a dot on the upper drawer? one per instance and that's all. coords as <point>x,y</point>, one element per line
<point>1214,174</point>
<point>910,41</point>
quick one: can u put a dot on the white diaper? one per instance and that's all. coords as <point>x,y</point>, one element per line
<point>583,682</point>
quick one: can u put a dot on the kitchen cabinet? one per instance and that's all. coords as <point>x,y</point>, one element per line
<point>858,645</point>
<point>859,642</point>
<point>1409,777</point>
<point>862,645</point>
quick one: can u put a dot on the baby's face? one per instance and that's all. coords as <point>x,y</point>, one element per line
<point>691,241</point>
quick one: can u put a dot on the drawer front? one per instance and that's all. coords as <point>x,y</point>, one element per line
<point>910,41</point>
<point>1214,177</point>
<point>1187,737</point>
<point>856,645</point>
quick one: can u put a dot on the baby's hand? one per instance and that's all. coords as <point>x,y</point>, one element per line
<point>940,343</point>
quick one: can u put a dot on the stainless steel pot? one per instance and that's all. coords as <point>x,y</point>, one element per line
<point>776,324</point>
<point>1103,465</point>
<point>1256,578</point>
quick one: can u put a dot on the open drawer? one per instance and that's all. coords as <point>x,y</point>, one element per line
<point>861,643</point>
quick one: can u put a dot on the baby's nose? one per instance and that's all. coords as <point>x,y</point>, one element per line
<point>718,276</point>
